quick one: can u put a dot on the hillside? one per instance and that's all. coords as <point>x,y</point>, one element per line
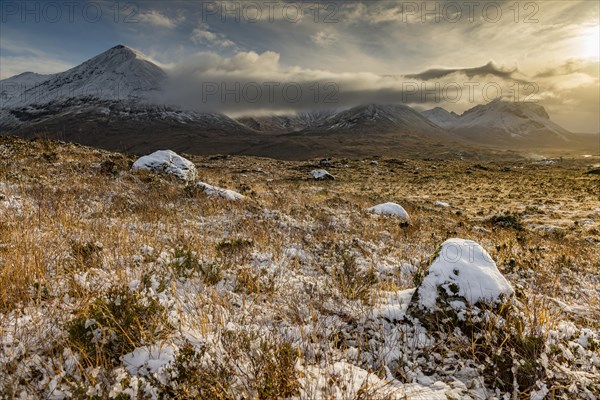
<point>130,284</point>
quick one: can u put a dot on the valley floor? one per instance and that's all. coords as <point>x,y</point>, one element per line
<point>120,284</point>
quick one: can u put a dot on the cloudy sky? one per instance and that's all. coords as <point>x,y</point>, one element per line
<point>453,54</point>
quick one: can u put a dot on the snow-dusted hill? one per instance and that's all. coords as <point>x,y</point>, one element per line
<point>510,120</point>
<point>28,79</point>
<point>502,123</point>
<point>284,123</point>
<point>365,118</point>
<point>380,117</point>
<point>441,117</point>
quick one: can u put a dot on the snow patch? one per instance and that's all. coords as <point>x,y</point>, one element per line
<point>149,360</point>
<point>343,380</point>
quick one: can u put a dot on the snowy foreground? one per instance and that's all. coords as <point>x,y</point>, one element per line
<point>148,283</point>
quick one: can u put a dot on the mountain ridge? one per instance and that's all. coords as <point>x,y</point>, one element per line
<point>113,100</point>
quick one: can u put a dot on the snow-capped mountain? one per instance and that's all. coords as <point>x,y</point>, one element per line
<point>508,120</point>
<point>441,117</point>
<point>28,79</point>
<point>119,73</point>
<point>502,123</point>
<point>117,93</point>
<point>393,130</point>
<point>380,118</point>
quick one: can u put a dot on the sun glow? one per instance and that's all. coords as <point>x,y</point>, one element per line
<point>590,43</point>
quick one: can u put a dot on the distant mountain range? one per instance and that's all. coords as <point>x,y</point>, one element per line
<point>114,101</point>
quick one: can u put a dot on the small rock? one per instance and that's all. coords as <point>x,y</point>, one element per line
<point>213,191</point>
<point>391,209</point>
<point>321,175</point>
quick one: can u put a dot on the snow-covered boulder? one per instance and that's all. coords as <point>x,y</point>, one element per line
<point>390,209</point>
<point>213,191</point>
<point>167,162</point>
<point>461,276</point>
<point>321,175</point>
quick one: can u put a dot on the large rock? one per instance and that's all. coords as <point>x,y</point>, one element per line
<point>462,277</point>
<point>167,162</point>
<point>391,209</point>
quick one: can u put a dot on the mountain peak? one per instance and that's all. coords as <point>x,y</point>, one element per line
<point>520,109</point>
<point>123,51</point>
<point>378,109</point>
<point>120,69</point>
<point>26,73</point>
<point>118,73</point>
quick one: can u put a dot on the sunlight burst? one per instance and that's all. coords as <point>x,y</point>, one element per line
<point>590,43</point>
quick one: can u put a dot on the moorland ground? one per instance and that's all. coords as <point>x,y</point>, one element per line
<point>285,293</point>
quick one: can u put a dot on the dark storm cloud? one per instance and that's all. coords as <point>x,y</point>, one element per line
<point>250,81</point>
<point>485,70</point>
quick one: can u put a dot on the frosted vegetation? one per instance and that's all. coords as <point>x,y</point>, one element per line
<point>149,283</point>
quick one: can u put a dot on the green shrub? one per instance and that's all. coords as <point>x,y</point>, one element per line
<point>115,325</point>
